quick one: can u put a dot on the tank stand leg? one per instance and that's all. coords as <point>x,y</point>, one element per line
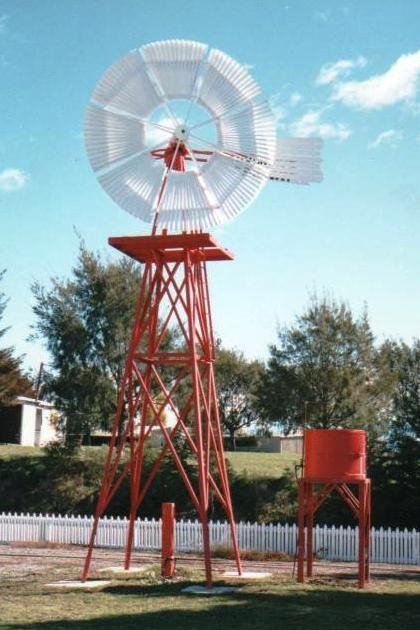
<point>309,529</point>
<point>364,531</point>
<point>301,543</point>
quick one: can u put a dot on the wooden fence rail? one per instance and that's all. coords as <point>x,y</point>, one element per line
<point>334,543</point>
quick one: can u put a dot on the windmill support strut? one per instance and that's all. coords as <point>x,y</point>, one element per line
<point>174,295</point>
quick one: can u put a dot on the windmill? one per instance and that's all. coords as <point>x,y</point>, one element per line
<point>178,135</point>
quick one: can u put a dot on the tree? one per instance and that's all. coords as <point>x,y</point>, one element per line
<point>406,400</point>
<point>324,369</point>
<point>85,322</point>
<point>237,380</point>
<point>395,467</point>
<point>12,380</point>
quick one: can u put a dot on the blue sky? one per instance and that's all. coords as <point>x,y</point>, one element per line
<point>346,71</point>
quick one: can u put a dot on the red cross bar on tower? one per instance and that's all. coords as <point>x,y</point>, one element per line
<point>173,296</point>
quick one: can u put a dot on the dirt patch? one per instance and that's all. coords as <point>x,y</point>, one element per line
<point>20,560</point>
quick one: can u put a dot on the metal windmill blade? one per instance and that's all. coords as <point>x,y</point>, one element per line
<point>186,180</point>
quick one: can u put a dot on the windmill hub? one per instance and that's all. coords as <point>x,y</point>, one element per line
<point>181,133</point>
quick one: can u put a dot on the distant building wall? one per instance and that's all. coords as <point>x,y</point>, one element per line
<point>27,430</point>
<point>281,444</point>
<point>37,428</point>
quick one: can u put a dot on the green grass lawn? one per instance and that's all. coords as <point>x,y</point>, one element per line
<point>254,464</point>
<point>34,481</point>
<point>15,450</point>
<point>262,464</point>
<point>150,604</point>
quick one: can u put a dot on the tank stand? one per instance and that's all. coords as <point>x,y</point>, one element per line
<point>311,495</point>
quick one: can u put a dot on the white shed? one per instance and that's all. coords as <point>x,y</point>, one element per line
<point>29,422</point>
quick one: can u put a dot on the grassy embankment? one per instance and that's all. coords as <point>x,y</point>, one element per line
<point>254,464</point>
<point>263,485</point>
<point>270,465</point>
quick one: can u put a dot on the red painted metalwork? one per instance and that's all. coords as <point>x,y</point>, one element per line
<point>168,540</point>
<point>183,154</point>
<point>335,454</point>
<point>334,460</point>
<point>200,245</point>
<point>174,155</point>
<point>174,293</point>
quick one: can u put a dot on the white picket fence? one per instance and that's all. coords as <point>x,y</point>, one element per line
<point>334,543</point>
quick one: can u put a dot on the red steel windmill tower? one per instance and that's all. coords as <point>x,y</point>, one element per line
<point>178,136</point>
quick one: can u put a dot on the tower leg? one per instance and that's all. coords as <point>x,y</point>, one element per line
<point>309,529</point>
<point>301,531</point>
<point>130,540</point>
<point>206,549</point>
<point>368,526</point>
<point>234,538</point>
<point>88,559</point>
<point>362,533</point>
<point>100,509</point>
<point>135,477</point>
<point>221,461</point>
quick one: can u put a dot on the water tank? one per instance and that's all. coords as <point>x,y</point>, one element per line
<point>335,454</point>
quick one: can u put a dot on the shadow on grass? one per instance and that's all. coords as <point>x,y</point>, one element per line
<point>334,577</point>
<point>319,608</point>
<point>403,576</point>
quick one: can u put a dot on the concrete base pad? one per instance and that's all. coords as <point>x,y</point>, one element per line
<point>247,575</point>
<point>78,584</point>
<point>198,589</point>
<point>122,571</point>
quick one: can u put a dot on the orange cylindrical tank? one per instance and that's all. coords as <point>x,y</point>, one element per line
<point>335,454</point>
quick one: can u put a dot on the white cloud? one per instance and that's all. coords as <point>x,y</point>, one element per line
<point>330,72</point>
<point>398,84</point>
<point>391,137</point>
<point>280,104</point>
<point>311,125</point>
<point>12,179</point>
<point>295,98</point>
<point>278,110</point>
